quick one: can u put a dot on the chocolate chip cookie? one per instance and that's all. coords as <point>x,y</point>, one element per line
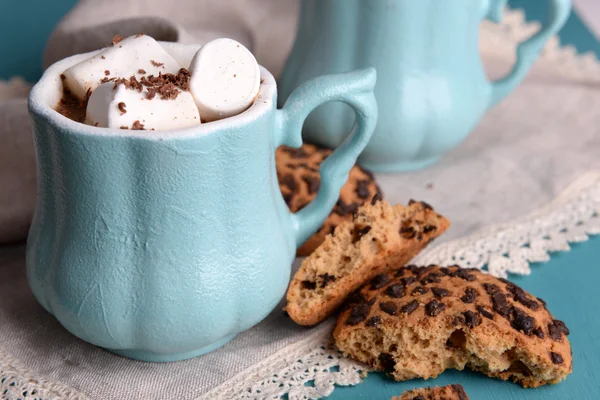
<point>418,321</point>
<point>299,181</point>
<point>449,392</point>
<point>378,236</point>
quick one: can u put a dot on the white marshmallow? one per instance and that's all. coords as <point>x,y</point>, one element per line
<point>225,79</point>
<point>103,109</point>
<point>121,60</point>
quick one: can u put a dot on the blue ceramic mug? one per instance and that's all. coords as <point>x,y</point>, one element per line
<point>162,246</point>
<point>431,87</point>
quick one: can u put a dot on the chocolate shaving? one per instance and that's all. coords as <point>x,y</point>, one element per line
<point>141,71</point>
<point>150,93</point>
<point>106,72</point>
<point>117,39</point>
<point>122,107</point>
<point>156,63</point>
<point>137,126</point>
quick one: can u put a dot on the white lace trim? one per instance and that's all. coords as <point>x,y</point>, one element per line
<point>510,247</point>
<point>17,383</point>
<point>502,39</point>
<point>307,370</point>
<point>312,367</point>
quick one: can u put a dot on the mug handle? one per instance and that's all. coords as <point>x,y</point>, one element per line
<point>353,88</point>
<point>529,50</point>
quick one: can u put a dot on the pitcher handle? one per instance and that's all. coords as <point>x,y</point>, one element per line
<point>529,50</point>
<point>356,90</point>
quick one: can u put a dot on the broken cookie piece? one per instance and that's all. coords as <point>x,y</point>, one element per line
<point>449,392</point>
<point>462,318</point>
<point>360,250</point>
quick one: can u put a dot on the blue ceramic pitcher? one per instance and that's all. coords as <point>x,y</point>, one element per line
<point>431,87</point>
<point>162,246</point>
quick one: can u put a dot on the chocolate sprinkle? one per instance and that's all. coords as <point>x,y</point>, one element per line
<point>409,307</point>
<point>343,209</point>
<point>433,277</point>
<point>156,63</point>
<point>289,181</point>
<point>419,290</point>
<point>399,272</point>
<point>561,325</point>
<point>460,392</point>
<point>521,297</point>
<point>358,313</point>
<point>379,281</point>
<point>106,72</point>
<point>434,308</point>
<point>463,274</point>
<point>490,288</point>
<point>295,153</point>
<point>395,290</point>
<point>121,106</point>
<point>362,189</point>
<point>313,183</point>
<point>141,71</point>
<point>376,198</point>
<point>555,331</point>
<point>556,358</point>
<point>389,308</point>
<point>429,228</point>
<point>373,321</point>
<point>471,319</point>
<point>469,296</point>
<point>408,280</point>
<point>407,232</point>
<point>539,332</point>
<point>440,292</point>
<point>485,312</point>
<point>326,279</point>
<point>522,322</point>
<point>500,305</point>
<point>309,285</point>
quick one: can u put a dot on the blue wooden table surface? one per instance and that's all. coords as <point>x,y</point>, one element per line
<point>570,284</point>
